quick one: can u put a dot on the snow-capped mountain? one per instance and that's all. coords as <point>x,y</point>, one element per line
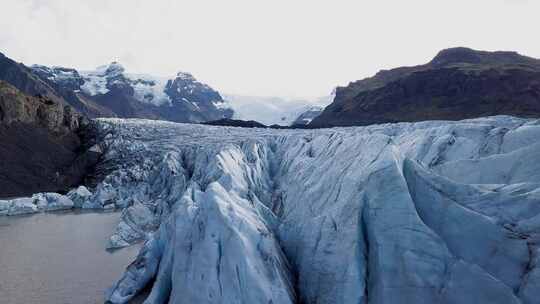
<point>110,91</point>
<point>276,110</point>
<point>428,212</point>
<point>146,88</point>
<point>67,78</point>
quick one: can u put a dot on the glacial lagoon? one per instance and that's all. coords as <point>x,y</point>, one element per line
<point>59,258</point>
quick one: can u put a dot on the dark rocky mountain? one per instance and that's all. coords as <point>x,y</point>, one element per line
<point>459,83</point>
<point>194,101</point>
<point>41,144</point>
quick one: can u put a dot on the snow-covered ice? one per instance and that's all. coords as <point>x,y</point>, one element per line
<point>149,89</point>
<point>95,82</point>
<point>79,196</point>
<point>23,205</point>
<point>52,201</point>
<point>46,201</point>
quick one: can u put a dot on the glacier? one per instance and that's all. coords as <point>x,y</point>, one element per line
<point>428,212</point>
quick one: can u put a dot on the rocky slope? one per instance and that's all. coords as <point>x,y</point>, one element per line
<point>457,84</point>
<point>430,212</point>
<point>41,144</point>
<point>25,80</point>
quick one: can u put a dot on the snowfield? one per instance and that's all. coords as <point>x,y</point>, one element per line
<point>430,212</point>
<point>275,110</point>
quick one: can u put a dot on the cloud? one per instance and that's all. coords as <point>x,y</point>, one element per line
<point>519,2</point>
<point>293,48</point>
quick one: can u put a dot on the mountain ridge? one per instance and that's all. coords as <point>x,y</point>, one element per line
<point>109,91</point>
<point>458,83</point>
<point>181,98</point>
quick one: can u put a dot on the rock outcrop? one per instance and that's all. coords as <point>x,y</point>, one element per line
<point>41,146</point>
<point>236,123</point>
<point>458,83</point>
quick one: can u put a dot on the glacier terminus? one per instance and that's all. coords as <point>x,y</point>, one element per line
<point>427,212</point>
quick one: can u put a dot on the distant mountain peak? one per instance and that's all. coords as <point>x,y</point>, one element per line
<point>112,69</point>
<point>185,76</point>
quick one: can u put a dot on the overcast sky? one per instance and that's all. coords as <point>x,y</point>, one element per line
<point>291,48</point>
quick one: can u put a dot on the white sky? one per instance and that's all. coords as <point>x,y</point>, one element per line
<point>297,48</point>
